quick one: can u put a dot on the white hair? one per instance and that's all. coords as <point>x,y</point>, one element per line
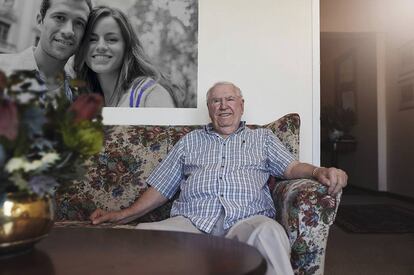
<point>237,89</point>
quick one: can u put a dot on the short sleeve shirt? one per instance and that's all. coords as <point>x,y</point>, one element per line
<point>215,173</point>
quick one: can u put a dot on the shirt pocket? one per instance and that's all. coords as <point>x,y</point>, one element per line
<point>251,157</point>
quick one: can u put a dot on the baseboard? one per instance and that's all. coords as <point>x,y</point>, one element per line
<point>381,193</point>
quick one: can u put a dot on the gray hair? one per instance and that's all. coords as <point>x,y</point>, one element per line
<point>223,83</point>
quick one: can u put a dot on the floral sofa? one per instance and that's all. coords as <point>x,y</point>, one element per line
<point>116,177</point>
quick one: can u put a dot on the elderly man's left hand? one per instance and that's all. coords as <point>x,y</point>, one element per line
<point>334,178</point>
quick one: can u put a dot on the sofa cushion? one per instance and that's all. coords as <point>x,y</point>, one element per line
<point>116,177</point>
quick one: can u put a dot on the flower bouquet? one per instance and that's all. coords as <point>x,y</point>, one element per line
<point>44,138</point>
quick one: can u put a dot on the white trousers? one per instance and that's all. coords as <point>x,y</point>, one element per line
<point>265,234</point>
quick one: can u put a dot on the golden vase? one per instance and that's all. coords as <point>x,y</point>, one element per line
<point>24,220</point>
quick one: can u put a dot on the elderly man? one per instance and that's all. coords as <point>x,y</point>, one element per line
<point>62,25</point>
<point>222,172</point>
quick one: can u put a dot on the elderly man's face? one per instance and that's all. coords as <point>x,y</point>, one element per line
<point>225,107</point>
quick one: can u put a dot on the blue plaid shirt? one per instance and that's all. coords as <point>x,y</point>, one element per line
<point>214,173</point>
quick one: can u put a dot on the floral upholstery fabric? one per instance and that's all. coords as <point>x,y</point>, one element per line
<point>116,178</point>
<point>306,212</point>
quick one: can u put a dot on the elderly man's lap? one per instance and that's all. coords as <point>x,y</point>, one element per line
<point>178,223</point>
<point>259,231</point>
<point>269,238</point>
<point>241,231</point>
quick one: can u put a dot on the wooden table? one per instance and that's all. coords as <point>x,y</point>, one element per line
<point>125,251</point>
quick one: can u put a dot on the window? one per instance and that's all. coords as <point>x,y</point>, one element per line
<point>4,31</point>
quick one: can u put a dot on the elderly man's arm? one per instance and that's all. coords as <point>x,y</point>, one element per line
<point>334,178</point>
<point>148,201</point>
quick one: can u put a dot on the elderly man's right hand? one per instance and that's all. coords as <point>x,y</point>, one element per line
<point>99,216</point>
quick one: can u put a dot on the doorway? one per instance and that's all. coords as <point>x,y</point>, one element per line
<point>349,130</point>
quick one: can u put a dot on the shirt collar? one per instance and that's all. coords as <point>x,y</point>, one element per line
<point>210,130</point>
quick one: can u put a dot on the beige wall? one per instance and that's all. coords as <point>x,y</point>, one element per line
<point>393,20</point>
<point>269,49</point>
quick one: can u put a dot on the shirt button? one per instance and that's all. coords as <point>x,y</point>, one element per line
<point>222,166</point>
<point>221,195</point>
<point>221,178</point>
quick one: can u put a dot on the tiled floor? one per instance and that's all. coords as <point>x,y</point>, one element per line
<point>379,254</point>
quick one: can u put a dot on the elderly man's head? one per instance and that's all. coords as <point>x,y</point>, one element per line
<point>225,106</point>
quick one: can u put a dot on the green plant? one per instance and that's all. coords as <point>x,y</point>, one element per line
<point>340,119</point>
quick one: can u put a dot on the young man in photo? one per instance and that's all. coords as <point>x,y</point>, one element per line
<point>62,25</point>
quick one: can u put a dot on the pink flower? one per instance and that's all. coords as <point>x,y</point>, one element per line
<point>328,202</point>
<point>9,123</point>
<point>86,107</point>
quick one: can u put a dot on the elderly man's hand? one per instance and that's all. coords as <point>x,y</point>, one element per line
<point>334,178</point>
<point>99,216</point>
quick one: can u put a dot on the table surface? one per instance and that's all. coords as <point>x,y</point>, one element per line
<point>125,251</point>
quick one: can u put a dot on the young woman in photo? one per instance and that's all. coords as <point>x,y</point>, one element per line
<point>112,61</point>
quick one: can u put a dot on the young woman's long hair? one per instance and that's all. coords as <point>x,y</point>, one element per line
<point>136,64</point>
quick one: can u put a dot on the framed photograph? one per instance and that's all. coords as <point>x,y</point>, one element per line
<point>407,59</point>
<point>167,35</point>
<point>345,81</point>
<point>406,93</point>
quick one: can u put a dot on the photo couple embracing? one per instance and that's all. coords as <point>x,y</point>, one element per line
<point>107,55</point>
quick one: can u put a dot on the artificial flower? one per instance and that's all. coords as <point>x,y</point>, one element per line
<point>42,184</point>
<point>42,164</point>
<point>38,165</point>
<point>14,164</point>
<point>34,119</point>
<point>49,158</point>
<point>9,122</point>
<point>83,138</point>
<point>86,107</point>
<point>42,143</point>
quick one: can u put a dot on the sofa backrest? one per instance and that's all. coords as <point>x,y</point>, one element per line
<point>116,177</point>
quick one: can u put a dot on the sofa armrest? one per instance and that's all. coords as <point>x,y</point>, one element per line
<point>306,211</point>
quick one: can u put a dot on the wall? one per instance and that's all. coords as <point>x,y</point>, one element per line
<point>394,21</point>
<point>21,36</point>
<point>401,124</point>
<point>269,50</point>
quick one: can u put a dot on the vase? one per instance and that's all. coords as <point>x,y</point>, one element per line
<point>24,220</point>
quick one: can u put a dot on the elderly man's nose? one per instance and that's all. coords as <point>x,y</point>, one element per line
<point>223,103</point>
